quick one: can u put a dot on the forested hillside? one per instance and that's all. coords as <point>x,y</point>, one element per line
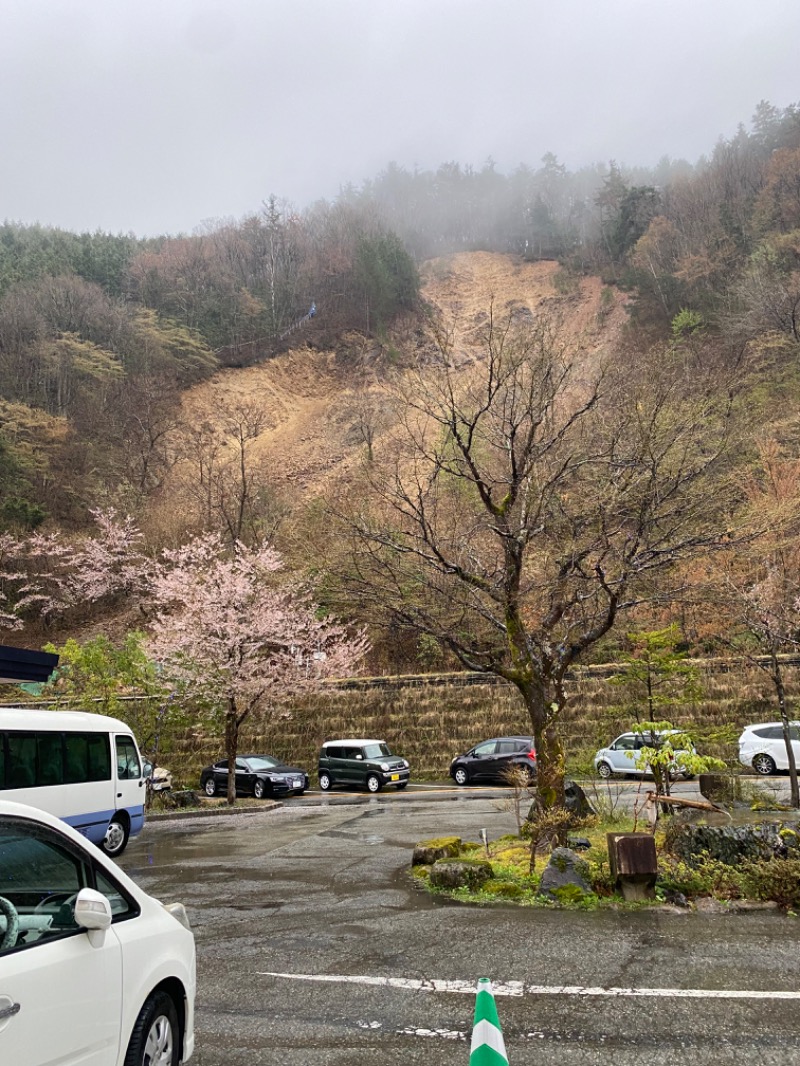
<point>185,381</point>
<point>99,335</point>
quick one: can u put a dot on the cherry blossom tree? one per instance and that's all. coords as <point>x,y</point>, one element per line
<point>235,633</point>
<point>111,564</point>
<point>45,574</point>
<point>33,578</point>
<point>10,577</point>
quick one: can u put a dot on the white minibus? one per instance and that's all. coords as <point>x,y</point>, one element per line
<point>83,768</point>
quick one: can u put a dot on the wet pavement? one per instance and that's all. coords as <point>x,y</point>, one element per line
<point>314,947</point>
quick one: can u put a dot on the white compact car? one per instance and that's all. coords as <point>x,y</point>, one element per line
<point>763,748</point>
<point>621,755</point>
<point>93,971</point>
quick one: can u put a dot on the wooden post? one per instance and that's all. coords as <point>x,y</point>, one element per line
<point>634,864</point>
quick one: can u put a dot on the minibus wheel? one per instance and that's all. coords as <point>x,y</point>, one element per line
<point>116,837</point>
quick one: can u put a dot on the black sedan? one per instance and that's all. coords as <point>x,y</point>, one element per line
<point>256,775</point>
<point>490,760</point>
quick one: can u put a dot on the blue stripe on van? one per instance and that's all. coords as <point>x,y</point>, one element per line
<point>137,819</point>
<point>93,824</point>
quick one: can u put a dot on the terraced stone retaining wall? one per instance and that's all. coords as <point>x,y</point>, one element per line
<point>430,718</point>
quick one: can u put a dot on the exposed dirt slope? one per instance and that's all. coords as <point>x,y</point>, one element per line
<point>308,397</point>
<point>464,287</point>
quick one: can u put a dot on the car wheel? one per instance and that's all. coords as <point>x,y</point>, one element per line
<point>116,837</point>
<point>461,776</point>
<point>374,783</point>
<point>259,790</point>
<point>764,764</point>
<point>688,777</point>
<point>402,785</point>
<point>156,1037</point>
<point>210,787</point>
<point>605,771</point>
<point>325,782</point>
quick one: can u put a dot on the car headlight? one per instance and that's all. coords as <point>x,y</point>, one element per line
<point>405,763</point>
<point>385,767</point>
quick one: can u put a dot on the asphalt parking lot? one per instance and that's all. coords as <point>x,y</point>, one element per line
<point>315,947</point>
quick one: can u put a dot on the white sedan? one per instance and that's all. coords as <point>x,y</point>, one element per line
<point>763,747</point>
<point>92,970</point>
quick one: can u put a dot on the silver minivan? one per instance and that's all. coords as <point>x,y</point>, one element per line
<point>621,755</point>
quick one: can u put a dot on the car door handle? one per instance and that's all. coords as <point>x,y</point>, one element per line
<point>9,1012</point>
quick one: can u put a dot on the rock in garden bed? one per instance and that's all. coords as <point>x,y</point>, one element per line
<point>565,868</point>
<point>428,851</point>
<point>460,873</point>
<point>731,844</point>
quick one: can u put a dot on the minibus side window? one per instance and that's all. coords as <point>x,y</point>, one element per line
<point>86,757</point>
<point>21,760</point>
<point>51,759</point>
<point>128,767</point>
<point>99,757</point>
<point>76,762</point>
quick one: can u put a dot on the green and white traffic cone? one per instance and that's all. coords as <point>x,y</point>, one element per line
<point>488,1047</point>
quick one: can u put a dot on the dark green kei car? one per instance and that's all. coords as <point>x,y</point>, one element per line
<point>362,764</point>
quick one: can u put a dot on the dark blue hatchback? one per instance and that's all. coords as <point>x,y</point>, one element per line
<point>491,759</point>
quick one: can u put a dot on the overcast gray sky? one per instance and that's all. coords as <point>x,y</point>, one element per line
<point>156,115</point>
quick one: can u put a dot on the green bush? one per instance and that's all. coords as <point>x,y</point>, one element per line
<point>600,877</point>
<point>776,879</point>
<point>708,877</point>
<point>570,895</point>
<point>503,889</point>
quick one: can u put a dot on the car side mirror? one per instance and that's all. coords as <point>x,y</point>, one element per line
<point>359,756</point>
<point>92,910</point>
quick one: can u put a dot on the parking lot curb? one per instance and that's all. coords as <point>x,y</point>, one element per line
<point>195,812</point>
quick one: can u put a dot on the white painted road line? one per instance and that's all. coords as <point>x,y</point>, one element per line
<point>518,988</point>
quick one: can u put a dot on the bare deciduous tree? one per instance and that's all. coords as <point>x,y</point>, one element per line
<point>221,474</point>
<point>761,583</point>
<point>529,502</point>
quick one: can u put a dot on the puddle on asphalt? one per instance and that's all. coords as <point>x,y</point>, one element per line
<point>164,844</point>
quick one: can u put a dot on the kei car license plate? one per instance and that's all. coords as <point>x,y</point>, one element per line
<point>395,777</point>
